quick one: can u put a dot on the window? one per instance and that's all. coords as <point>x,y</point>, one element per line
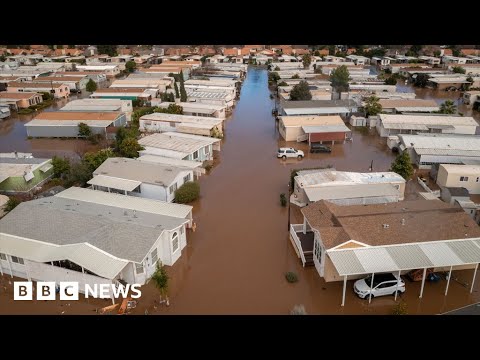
<point>139,268</point>
<point>207,150</point>
<point>154,256</point>
<point>3,257</point>
<point>318,251</point>
<point>478,179</point>
<point>17,260</point>
<point>172,188</point>
<point>174,242</point>
<point>195,155</point>
<point>186,178</point>
<point>463,178</point>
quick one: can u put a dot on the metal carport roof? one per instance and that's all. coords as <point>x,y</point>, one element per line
<point>396,258</point>
<point>114,183</point>
<point>391,258</point>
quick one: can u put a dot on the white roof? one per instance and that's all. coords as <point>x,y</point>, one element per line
<point>96,67</point>
<point>183,143</point>
<point>187,119</point>
<point>196,107</point>
<point>332,177</point>
<point>85,255</point>
<point>127,202</point>
<point>352,191</point>
<point>169,161</point>
<point>114,183</point>
<point>324,128</point>
<point>441,142</point>
<point>446,80</point>
<point>390,258</point>
<point>426,120</point>
<point>461,169</point>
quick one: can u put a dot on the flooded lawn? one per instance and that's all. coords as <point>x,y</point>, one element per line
<point>236,259</point>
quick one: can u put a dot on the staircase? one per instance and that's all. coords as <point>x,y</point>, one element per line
<point>308,258</point>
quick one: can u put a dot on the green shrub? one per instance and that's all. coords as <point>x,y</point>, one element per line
<point>11,204</point>
<point>400,308</point>
<point>291,277</point>
<point>283,200</point>
<point>25,111</point>
<point>188,192</point>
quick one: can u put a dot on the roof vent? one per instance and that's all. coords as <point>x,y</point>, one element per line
<point>403,221</point>
<point>386,226</point>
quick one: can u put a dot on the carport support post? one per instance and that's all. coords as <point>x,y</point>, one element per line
<point>473,280</point>
<point>396,290</point>
<point>423,282</point>
<point>371,289</point>
<point>448,281</point>
<point>344,289</point>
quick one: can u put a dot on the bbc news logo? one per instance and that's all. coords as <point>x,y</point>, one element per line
<point>69,290</point>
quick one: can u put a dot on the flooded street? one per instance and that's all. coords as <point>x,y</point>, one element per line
<point>236,259</point>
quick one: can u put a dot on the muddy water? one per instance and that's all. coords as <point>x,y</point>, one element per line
<point>235,261</point>
<point>13,136</point>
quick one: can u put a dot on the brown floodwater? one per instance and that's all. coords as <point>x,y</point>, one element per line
<point>236,259</point>
<point>13,135</point>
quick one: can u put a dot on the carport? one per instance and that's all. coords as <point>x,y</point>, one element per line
<point>398,258</point>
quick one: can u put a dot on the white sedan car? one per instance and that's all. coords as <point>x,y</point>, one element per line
<point>289,153</point>
<point>383,284</point>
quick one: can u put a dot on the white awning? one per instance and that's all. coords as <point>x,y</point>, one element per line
<point>114,183</point>
<point>85,255</point>
<point>393,258</point>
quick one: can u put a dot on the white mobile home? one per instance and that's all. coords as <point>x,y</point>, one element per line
<point>65,123</point>
<point>180,146</point>
<point>100,105</point>
<point>197,109</point>
<point>347,188</point>
<point>60,239</point>
<point>196,125</point>
<point>426,150</point>
<point>455,175</point>
<point>211,97</point>
<point>137,178</point>
<point>411,124</point>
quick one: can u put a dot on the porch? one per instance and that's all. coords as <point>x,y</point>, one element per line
<point>302,243</point>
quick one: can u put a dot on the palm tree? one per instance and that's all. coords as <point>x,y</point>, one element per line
<point>448,107</point>
<point>160,279</point>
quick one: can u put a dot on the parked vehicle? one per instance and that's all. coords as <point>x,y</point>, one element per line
<point>319,148</point>
<point>383,284</point>
<point>290,153</point>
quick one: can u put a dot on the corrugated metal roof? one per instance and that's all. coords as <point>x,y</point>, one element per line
<point>169,161</point>
<point>390,258</point>
<point>346,262</point>
<point>440,254</point>
<point>114,183</point>
<point>127,202</point>
<point>375,259</point>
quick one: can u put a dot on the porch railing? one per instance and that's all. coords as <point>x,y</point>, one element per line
<point>294,228</point>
